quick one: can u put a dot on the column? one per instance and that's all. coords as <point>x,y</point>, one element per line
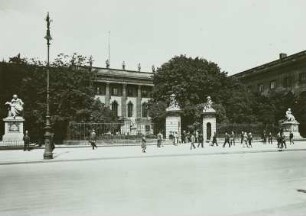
<point>107,95</point>
<point>123,101</point>
<point>138,105</point>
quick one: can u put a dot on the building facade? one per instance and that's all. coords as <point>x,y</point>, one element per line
<point>285,73</point>
<point>127,94</point>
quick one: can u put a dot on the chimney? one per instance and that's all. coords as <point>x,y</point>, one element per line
<point>282,55</point>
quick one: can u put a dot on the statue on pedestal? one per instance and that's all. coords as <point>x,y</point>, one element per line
<point>173,105</point>
<point>208,104</point>
<point>139,67</point>
<point>16,106</point>
<point>123,65</point>
<point>107,63</point>
<point>289,115</point>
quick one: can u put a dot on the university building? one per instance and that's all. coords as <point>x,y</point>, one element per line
<point>127,94</point>
<point>285,73</point>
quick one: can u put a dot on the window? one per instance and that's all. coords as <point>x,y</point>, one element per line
<point>145,92</point>
<point>115,108</point>
<point>302,78</point>
<point>260,87</point>
<point>148,128</point>
<point>115,91</point>
<point>272,84</point>
<point>100,88</point>
<point>131,91</point>
<point>144,109</point>
<point>287,82</point>
<point>130,109</point>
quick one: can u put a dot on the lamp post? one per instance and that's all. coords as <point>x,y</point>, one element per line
<point>48,139</point>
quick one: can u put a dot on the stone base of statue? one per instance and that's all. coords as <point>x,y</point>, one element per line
<point>209,124</point>
<point>173,122</point>
<point>293,126</point>
<point>13,133</point>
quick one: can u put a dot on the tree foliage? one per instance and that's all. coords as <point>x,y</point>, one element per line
<point>71,93</point>
<point>192,80</point>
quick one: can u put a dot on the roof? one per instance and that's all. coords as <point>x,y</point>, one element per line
<point>121,75</point>
<point>279,62</point>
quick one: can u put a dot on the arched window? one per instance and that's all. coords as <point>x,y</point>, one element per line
<point>130,109</point>
<point>144,110</point>
<point>115,108</point>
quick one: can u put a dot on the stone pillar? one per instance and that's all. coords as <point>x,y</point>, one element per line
<point>209,121</point>
<point>173,119</point>
<point>138,103</point>
<point>123,101</point>
<point>209,125</point>
<point>107,95</point>
<point>13,130</point>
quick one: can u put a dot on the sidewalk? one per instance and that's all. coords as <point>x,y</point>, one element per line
<point>83,153</point>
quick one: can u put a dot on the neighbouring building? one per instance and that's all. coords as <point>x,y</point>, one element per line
<point>287,72</point>
<point>127,94</point>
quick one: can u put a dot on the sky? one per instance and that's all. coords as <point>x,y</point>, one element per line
<point>235,34</point>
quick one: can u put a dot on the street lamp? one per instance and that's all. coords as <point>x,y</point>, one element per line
<point>48,145</point>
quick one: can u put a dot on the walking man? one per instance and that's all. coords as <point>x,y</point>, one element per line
<point>291,138</point>
<point>227,140</point>
<point>192,139</point>
<point>26,140</point>
<point>143,144</point>
<point>92,139</point>
<point>159,139</point>
<point>250,138</point>
<point>232,138</point>
<point>242,137</point>
<point>270,138</point>
<point>214,141</point>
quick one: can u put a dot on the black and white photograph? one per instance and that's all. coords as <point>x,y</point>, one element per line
<point>152,107</point>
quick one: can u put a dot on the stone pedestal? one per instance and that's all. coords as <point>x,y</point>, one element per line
<point>293,126</point>
<point>13,133</point>
<point>209,124</point>
<point>173,123</point>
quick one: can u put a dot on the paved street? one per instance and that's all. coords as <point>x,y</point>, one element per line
<point>167,181</point>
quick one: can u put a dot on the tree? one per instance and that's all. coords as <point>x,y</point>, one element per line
<point>71,93</point>
<point>192,80</point>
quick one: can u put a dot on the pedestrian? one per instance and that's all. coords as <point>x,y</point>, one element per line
<point>227,140</point>
<point>264,137</point>
<point>245,140</point>
<point>159,139</point>
<point>143,144</point>
<point>250,138</point>
<point>192,140</point>
<point>291,138</point>
<point>270,138</point>
<point>176,138</point>
<point>232,138</point>
<point>92,139</point>
<point>214,141</point>
<point>278,139</point>
<point>26,140</point>
<point>201,143</point>
<point>197,136</point>
<point>283,140</point>
<point>187,138</point>
<point>183,136</point>
<point>242,137</point>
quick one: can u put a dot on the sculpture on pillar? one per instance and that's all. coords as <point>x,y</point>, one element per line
<point>289,115</point>
<point>107,63</point>
<point>153,69</point>
<point>173,105</point>
<point>16,106</point>
<point>208,104</point>
<point>123,65</point>
<point>139,67</point>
